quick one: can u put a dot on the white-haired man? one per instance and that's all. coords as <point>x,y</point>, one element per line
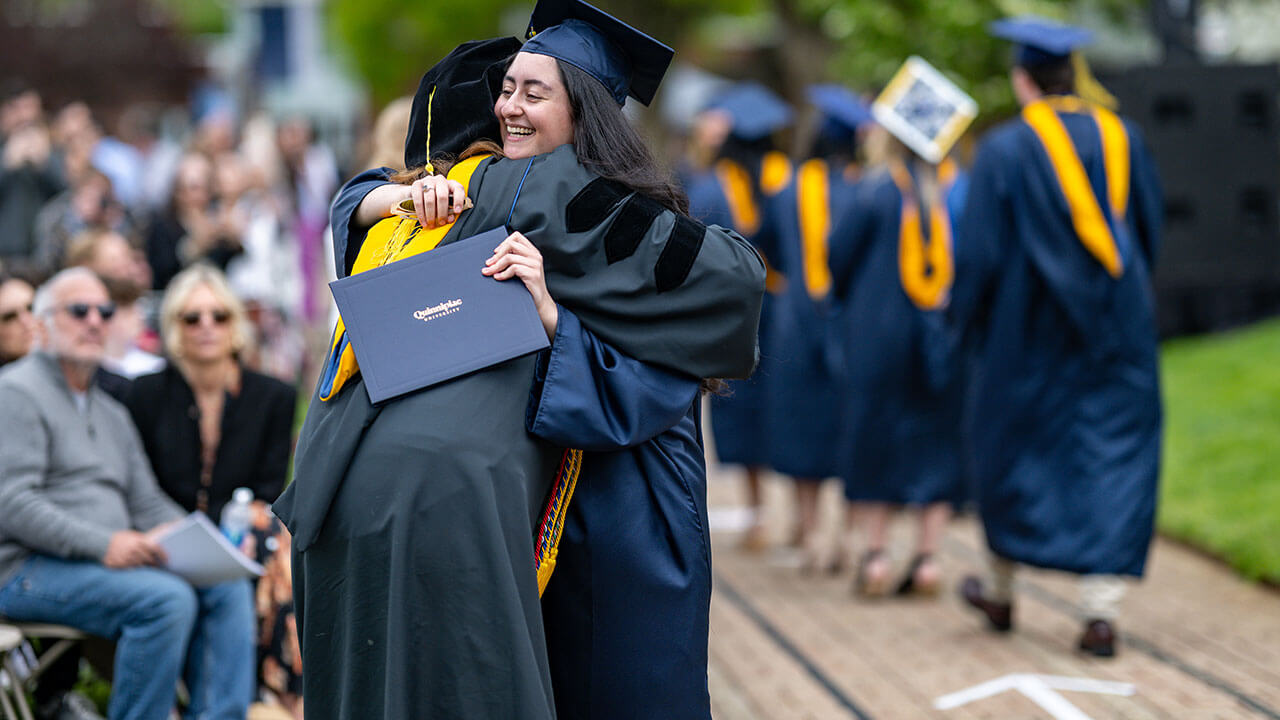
<point>79,503</point>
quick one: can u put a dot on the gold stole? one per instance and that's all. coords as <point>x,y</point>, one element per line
<point>744,212</point>
<point>1086,214</point>
<point>389,240</point>
<point>926,269</point>
<point>814,207</point>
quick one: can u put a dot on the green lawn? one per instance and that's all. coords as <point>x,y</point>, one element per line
<point>1221,475</point>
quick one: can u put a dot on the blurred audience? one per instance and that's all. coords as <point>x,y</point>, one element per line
<point>88,204</point>
<point>82,551</point>
<point>29,175</point>
<point>189,228</point>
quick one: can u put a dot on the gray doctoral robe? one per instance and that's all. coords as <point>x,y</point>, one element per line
<point>413,522</point>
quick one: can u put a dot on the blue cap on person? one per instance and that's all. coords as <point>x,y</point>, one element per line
<point>843,112</point>
<point>623,59</point>
<point>1039,40</point>
<point>754,111</point>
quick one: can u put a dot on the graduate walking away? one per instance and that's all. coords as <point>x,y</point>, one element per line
<point>806,378</point>
<point>748,170</point>
<point>1061,231</point>
<point>893,271</point>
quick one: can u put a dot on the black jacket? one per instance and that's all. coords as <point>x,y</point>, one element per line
<point>257,432</point>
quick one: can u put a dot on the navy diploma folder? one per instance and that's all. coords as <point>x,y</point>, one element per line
<point>432,317</point>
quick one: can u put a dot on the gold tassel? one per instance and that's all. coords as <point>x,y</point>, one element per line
<point>1088,87</point>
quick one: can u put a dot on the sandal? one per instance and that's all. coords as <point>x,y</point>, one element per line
<point>870,586</point>
<point>911,583</point>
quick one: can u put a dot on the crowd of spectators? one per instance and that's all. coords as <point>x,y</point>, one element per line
<point>182,275</point>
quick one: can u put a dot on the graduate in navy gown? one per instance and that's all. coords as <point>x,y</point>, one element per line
<point>732,193</point>
<point>626,612</point>
<point>1061,232</point>
<point>893,272</point>
<point>803,336</point>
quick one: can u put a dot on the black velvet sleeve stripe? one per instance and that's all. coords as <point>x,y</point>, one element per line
<point>629,227</point>
<point>679,254</point>
<point>592,205</point>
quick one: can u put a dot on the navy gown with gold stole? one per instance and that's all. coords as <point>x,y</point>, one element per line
<point>806,373</point>
<point>1061,232</point>
<point>730,195</point>
<point>647,307</point>
<point>892,272</point>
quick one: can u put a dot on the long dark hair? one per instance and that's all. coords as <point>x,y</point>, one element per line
<point>607,144</point>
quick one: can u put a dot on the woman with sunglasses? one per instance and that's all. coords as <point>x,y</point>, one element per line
<point>209,424</point>
<point>18,327</point>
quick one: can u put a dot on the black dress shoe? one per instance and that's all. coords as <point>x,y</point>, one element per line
<point>999,615</point>
<point>1099,639</point>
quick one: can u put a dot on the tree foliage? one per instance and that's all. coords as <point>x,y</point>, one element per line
<point>857,42</point>
<point>391,42</point>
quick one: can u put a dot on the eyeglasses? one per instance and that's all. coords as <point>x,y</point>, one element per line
<point>10,316</point>
<point>80,311</point>
<point>191,319</point>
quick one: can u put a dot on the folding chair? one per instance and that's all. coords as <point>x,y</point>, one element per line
<point>20,682</point>
<point>13,692</point>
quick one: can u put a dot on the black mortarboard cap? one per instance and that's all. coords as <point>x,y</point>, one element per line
<point>623,59</point>
<point>1039,40</point>
<point>454,103</point>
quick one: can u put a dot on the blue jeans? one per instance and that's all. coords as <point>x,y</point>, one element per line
<point>161,625</point>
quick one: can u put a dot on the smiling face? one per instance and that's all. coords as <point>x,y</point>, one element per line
<point>534,108</point>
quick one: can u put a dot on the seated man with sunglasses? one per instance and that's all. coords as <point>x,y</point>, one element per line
<point>80,508</point>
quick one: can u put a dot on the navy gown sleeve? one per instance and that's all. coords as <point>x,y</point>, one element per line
<point>347,239</point>
<point>589,396</point>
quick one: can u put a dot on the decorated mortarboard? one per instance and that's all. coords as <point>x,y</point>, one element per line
<point>754,111</point>
<point>924,109</point>
<point>843,112</point>
<point>623,59</point>
<point>454,103</point>
<point>1040,40</point>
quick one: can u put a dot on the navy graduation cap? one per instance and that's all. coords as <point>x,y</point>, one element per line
<point>754,111</point>
<point>623,59</point>
<point>841,108</point>
<point>1040,40</point>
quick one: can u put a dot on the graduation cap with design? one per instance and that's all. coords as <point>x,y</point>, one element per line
<point>843,112</point>
<point>623,59</point>
<point>754,111</point>
<point>924,109</point>
<point>1039,40</point>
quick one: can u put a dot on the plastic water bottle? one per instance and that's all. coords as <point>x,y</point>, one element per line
<point>237,515</point>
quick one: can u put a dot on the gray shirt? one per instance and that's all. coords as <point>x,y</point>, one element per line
<point>69,479</point>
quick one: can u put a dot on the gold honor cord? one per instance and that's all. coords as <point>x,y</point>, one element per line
<point>926,269</point>
<point>1082,202</point>
<point>814,206</point>
<point>547,545</point>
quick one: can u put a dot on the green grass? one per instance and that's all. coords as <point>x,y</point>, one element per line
<point>1221,475</point>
